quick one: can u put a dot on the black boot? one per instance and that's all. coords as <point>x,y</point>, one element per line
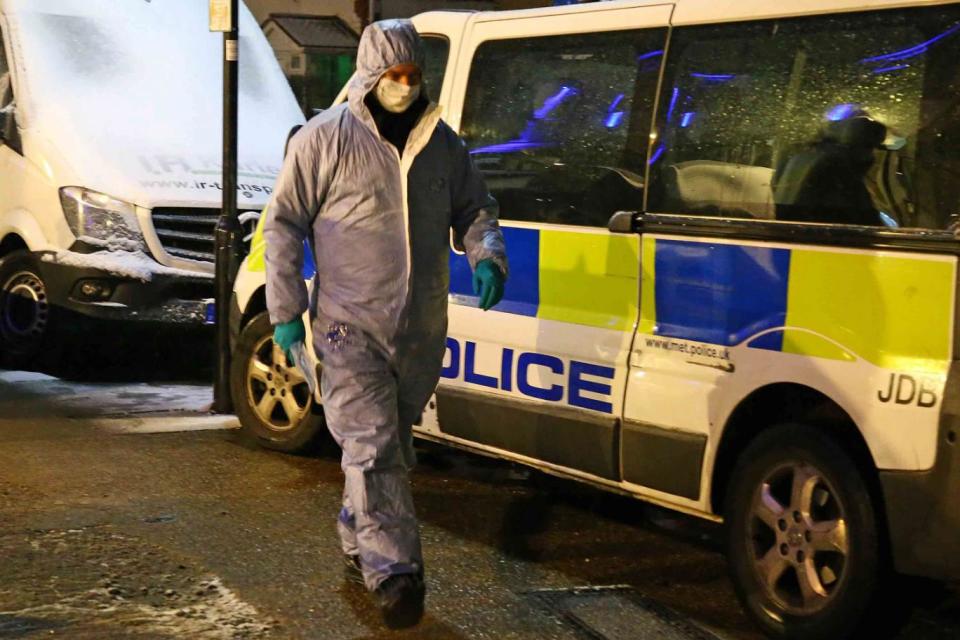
<point>400,599</point>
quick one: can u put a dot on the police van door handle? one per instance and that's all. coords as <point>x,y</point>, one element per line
<point>624,222</point>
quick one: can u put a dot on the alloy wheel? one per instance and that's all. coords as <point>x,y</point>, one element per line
<point>277,391</point>
<point>799,537</point>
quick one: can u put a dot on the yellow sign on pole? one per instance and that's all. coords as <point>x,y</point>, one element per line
<point>220,16</point>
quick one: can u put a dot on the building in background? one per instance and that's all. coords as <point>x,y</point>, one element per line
<point>406,8</point>
<point>315,41</point>
<point>317,54</point>
<point>346,10</point>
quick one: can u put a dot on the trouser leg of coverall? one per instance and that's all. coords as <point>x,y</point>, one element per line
<point>347,519</point>
<point>360,395</point>
<point>346,527</point>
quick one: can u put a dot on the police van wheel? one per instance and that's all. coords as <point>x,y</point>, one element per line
<point>25,311</point>
<point>270,395</point>
<point>802,537</point>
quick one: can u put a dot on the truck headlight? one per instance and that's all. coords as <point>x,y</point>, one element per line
<point>100,220</point>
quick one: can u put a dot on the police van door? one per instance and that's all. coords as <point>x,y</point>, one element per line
<point>556,109</point>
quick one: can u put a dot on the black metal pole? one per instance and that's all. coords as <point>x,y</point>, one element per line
<point>228,234</point>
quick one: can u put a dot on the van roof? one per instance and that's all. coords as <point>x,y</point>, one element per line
<point>704,11</point>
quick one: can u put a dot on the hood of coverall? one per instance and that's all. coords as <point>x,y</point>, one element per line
<point>383,44</point>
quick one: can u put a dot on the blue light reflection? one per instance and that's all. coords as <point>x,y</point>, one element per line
<point>616,102</point>
<point>715,77</point>
<point>896,67</point>
<point>841,111</point>
<point>553,102</point>
<point>508,147</point>
<point>651,54</point>
<point>673,103</point>
<point>913,51</point>
<point>656,155</point>
<point>613,120</point>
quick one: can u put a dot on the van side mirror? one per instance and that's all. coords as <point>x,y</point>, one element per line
<point>623,222</point>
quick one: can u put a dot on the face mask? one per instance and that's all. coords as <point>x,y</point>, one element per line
<point>396,97</point>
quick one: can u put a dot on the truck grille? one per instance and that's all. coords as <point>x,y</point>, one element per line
<point>190,233</point>
<point>187,233</point>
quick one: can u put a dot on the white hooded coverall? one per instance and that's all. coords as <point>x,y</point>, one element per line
<point>380,227</point>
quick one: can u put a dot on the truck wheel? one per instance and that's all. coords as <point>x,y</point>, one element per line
<point>270,395</point>
<point>25,311</point>
<point>802,537</point>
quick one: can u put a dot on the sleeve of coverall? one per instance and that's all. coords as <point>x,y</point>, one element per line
<point>299,192</point>
<point>475,227</point>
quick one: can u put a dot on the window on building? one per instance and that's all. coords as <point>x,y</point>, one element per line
<point>295,62</point>
<point>560,125</point>
<point>849,119</point>
<point>325,75</point>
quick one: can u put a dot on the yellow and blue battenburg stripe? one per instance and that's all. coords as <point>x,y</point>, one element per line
<point>581,277</point>
<point>256,259</point>
<point>892,310</point>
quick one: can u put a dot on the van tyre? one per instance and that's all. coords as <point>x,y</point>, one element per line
<point>26,314</point>
<point>270,395</point>
<point>803,540</point>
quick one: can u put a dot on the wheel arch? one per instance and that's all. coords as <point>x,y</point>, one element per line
<point>256,304</point>
<point>788,402</point>
<point>24,226</point>
<point>12,242</point>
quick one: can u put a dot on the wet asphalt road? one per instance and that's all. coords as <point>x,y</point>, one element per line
<point>200,534</point>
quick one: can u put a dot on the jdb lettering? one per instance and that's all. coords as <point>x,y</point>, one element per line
<point>905,389</point>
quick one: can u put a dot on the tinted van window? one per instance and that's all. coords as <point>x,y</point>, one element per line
<point>436,51</point>
<point>849,119</point>
<point>560,125</point>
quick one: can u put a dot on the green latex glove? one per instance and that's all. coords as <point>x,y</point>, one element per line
<point>488,283</point>
<point>288,334</point>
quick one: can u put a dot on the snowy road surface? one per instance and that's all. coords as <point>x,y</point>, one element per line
<point>192,532</point>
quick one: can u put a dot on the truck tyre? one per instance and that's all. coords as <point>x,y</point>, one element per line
<point>803,541</point>
<point>26,315</point>
<point>270,395</point>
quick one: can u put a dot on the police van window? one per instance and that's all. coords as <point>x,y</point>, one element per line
<point>436,51</point>
<point>560,125</point>
<point>848,119</point>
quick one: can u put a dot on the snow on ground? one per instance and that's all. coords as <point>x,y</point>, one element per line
<point>101,580</point>
<point>118,408</point>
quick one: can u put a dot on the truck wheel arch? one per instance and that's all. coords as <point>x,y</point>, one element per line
<point>10,243</point>
<point>19,229</point>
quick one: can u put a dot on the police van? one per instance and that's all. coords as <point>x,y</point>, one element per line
<point>731,231</point>
<point>110,159</point>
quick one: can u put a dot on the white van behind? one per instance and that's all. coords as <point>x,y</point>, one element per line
<point>110,159</point>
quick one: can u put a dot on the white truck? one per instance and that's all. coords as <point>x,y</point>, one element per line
<point>110,148</point>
